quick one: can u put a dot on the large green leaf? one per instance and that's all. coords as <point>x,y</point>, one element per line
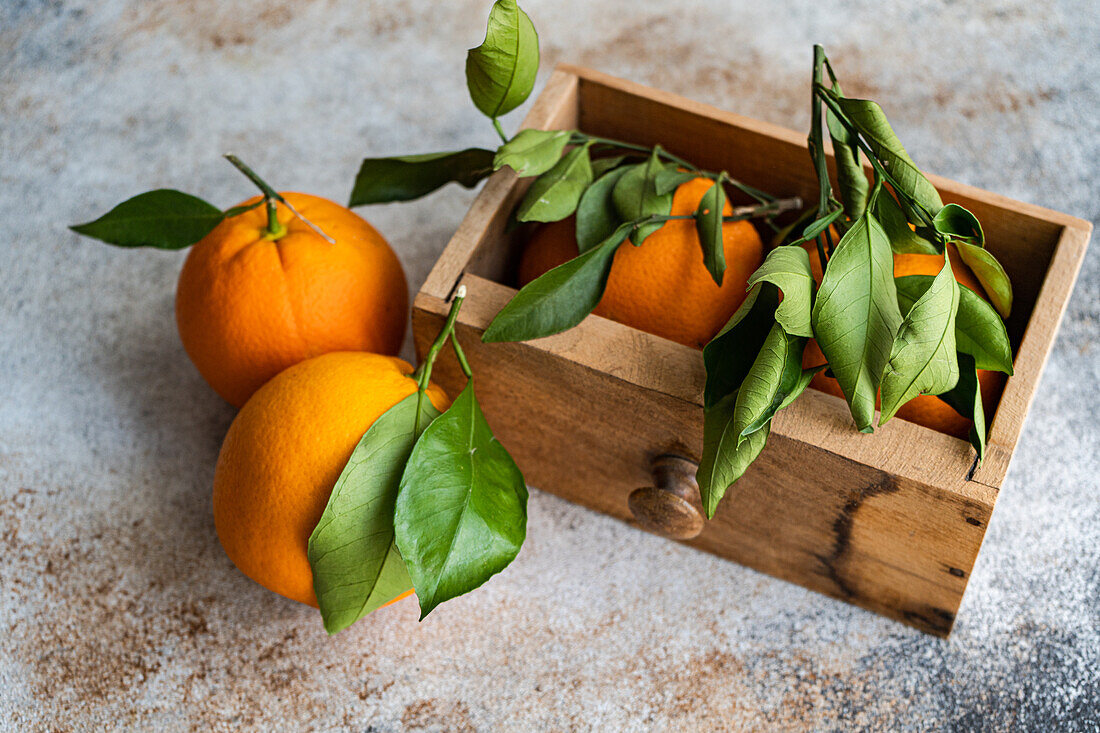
<point>851,179</point>
<point>635,196</point>
<point>956,221</point>
<point>871,121</point>
<point>856,315</point>
<point>603,165</point>
<point>461,511</point>
<point>990,274</point>
<point>500,73</point>
<point>559,299</point>
<point>554,195</point>
<point>708,224</point>
<point>800,386</point>
<point>670,178</point>
<point>774,375</point>
<point>532,152</point>
<point>966,399</point>
<point>922,360</point>
<point>903,240</point>
<point>596,215</point>
<point>407,177</point>
<point>789,269</point>
<point>164,218</point>
<point>356,566</point>
<point>979,331</point>
<point>730,354</point>
<point>725,457</point>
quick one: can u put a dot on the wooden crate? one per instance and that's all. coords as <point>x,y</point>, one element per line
<point>886,521</point>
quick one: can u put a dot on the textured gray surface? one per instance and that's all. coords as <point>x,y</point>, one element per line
<point>117,605</point>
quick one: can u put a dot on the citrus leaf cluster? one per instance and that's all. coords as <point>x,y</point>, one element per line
<point>629,201</point>
<point>427,500</point>
<point>885,341</point>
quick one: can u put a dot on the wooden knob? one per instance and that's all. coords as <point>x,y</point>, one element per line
<point>671,507</point>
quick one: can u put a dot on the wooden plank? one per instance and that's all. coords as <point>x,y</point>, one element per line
<point>1032,355</point>
<point>598,82</point>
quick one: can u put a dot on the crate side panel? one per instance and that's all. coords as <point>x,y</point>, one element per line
<point>853,532</point>
<point>801,513</point>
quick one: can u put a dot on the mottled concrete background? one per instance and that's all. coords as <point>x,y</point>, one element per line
<point>119,609</point>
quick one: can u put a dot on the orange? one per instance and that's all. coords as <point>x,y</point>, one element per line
<point>926,410</point>
<point>283,454</point>
<point>662,286</point>
<point>248,307</point>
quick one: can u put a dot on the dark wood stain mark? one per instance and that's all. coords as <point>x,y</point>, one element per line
<point>931,619</point>
<point>957,572</point>
<point>975,522</point>
<point>842,531</point>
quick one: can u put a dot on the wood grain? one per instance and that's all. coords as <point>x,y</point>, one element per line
<point>887,521</point>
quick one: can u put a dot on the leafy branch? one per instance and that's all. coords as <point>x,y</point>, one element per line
<point>428,500</point>
<point>880,338</point>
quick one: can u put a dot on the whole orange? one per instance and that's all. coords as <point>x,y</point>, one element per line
<point>662,286</point>
<point>926,410</point>
<point>248,306</point>
<point>283,454</point>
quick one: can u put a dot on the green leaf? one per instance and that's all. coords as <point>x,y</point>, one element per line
<point>461,512</point>
<point>238,210</point>
<point>708,222</point>
<point>990,274</point>
<point>730,354</point>
<point>856,315</point>
<point>407,177</point>
<point>669,178</point>
<point>956,221</point>
<point>922,360</point>
<point>356,566</point>
<point>817,226</point>
<point>725,456</point>
<point>596,215</point>
<point>979,331</point>
<point>966,399</point>
<point>871,121</point>
<point>850,177</point>
<point>789,269</point>
<point>500,73</point>
<point>775,374</point>
<point>559,299</point>
<point>785,235</point>
<point>903,240</point>
<point>603,165</point>
<point>532,152</point>
<point>554,195</point>
<point>164,218</point>
<point>636,197</point>
<point>801,385</point>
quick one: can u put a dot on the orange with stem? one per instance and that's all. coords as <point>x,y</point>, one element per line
<point>297,277</point>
